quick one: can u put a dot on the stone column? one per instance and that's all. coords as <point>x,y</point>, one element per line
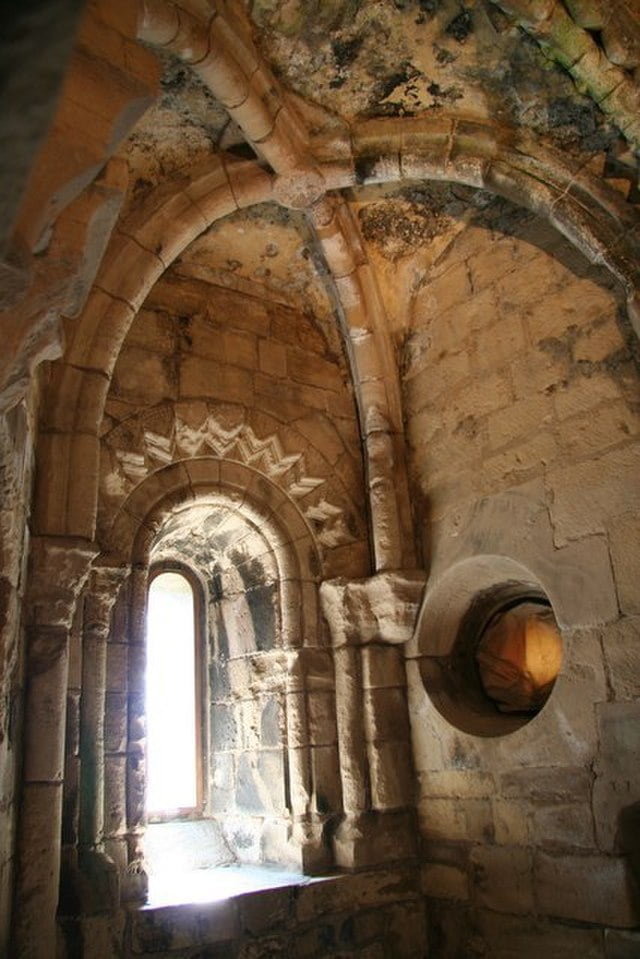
<point>58,571</point>
<point>71,788</point>
<point>116,718</point>
<point>373,728</point>
<point>100,887</point>
<point>135,885</point>
<point>313,781</point>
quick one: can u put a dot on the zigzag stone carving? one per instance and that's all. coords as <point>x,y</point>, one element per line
<point>224,434</point>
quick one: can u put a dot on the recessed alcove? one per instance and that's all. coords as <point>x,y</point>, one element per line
<point>491,647</point>
<point>221,563</point>
<point>518,656</point>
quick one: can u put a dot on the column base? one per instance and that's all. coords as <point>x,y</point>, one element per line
<point>89,883</point>
<point>373,838</point>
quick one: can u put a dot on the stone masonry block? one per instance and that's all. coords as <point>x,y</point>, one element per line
<point>406,933</point>
<point>619,944</point>
<point>597,430</point>
<point>272,358</point>
<point>442,819</point>
<point>115,798</point>
<point>353,892</point>
<point>117,667</point>
<point>510,823</point>
<point>325,769</point>
<point>547,784</point>
<point>503,879</point>
<point>392,782</point>
<point>262,911</point>
<point>564,825</point>
<point>115,723</point>
<point>517,937</point>
<point>585,583</point>
<point>587,888</point>
<point>386,715</point>
<point>183,927</point>
<point>382,666</point>
<point>616,790</point>
<point>520,419</point>
<point>621,642</point>
<point>489,264</point>
<point>450,289</point>
<point>624,535</point>
<point>522,461</point>
<point>322,718</point>
<point>478,817</point>
<point>498,344</point>
<point>458,783</point>
<point>587,496</point>
<point>580,395</point>
<point>440,881</point>
<point>240,349</point>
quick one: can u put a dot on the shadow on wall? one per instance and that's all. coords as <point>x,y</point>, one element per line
<point>628,842</point>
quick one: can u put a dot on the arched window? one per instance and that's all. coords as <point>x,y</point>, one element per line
<point>174,764</point>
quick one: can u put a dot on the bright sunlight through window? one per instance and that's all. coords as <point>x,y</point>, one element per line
<point>172,764</point>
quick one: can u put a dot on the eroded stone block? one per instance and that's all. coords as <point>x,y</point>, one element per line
<point>588,888</point>
<point>503,879</point>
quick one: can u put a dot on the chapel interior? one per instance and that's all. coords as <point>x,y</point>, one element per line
<point>320,479</point>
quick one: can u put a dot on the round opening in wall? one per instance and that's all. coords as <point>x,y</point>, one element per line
<point>490,647</point>
<point>519,656</point>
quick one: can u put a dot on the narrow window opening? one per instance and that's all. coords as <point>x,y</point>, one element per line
<point>172,701</point>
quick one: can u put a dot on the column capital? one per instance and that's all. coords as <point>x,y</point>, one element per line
<point>58,571</point>
<point>102,591</point>
<point>382,609</point>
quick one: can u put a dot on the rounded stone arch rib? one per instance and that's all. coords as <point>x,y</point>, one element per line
<point>302,654</point>
<point>140,250</point>
<point>131,535</point>
<point>592,216</point>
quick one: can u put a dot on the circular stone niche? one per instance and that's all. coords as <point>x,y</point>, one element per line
<point>491,651</point>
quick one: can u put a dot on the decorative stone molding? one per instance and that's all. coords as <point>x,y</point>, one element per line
<point>383,609</point>
<point>59,568</point>
<point>225,433</point>
<point>373,615</point>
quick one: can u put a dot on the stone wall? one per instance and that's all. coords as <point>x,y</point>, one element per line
<point>206,370</point>
<point>374,915</point>
<point>16,476</point>
<point>203,386</point>
<point>522,405</point>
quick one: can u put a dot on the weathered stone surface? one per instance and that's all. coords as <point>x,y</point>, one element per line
<point>616,790</point>
<point>392,783</point>
<point>440,881</point>
<point>428,366</point>
<point>503,879</point>
<point>549,784</point>
<point>170,928</point>
<point>623,538</point>
<point>382,667</point>
<point>621,644</point>
<point>514,936</point>
<point>380,609</point>
<point>352,892</point>
<point>565,825</point>
<point>620,945</point>
<point>587,888</point>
